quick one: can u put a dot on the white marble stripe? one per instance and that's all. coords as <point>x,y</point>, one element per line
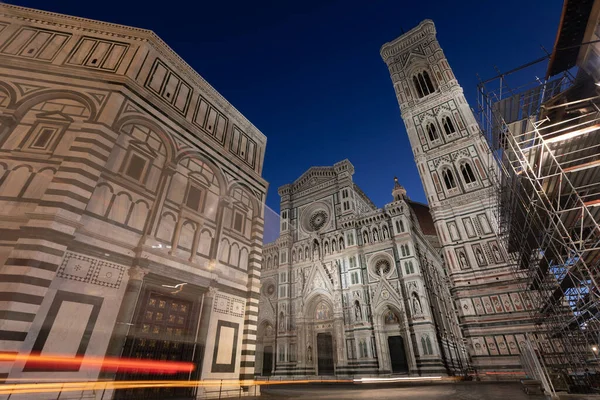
<point>20,307</point>
<point>42,242</point>
<point>17,326</point>
<point>29,271</point>
<point>36,255</point>
<point>10,345</point>
<point>23,288</point>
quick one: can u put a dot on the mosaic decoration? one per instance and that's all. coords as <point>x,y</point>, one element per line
<point>80,268</point>
<point>224,304</point>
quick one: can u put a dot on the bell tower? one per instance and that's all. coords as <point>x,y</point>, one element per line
<point>456,170</point>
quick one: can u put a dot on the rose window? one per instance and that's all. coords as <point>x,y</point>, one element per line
<point>270,290</point>
<point>318,219</point>
<point>382,267</point>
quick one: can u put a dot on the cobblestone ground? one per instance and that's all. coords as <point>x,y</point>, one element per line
<point>454,391</point>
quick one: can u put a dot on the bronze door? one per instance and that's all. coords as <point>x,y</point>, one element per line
<point>164,331</point>
<point>397,354</point>
<point>325,353</point>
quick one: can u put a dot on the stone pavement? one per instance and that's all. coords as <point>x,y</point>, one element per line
<point>454,391</point>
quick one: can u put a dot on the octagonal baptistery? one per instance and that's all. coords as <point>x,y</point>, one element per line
<point>349,289</point>
<point>131,207</point>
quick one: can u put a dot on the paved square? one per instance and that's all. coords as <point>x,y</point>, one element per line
<point>454,391</point>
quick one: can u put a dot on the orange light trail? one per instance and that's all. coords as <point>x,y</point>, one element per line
<point>23,388</point>
<point>107,364</point>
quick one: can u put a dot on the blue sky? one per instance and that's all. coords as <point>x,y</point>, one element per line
<point>308,73</point>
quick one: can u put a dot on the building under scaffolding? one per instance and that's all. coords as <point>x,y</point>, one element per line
<point>546,138</point>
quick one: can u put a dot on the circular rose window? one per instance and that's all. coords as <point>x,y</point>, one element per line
<point>270,290</point>
<point>318,219</point>
<point>382,267</point>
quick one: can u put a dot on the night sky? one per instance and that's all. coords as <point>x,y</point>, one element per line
<point>308,73</point>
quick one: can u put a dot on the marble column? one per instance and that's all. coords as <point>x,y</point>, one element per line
<point>125,316</point>
<point>205,316</point>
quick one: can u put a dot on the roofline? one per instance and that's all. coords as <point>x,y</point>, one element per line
<point>27,13</point>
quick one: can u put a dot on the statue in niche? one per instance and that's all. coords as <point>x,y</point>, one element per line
<point>326,248</point>
<point>309,354</point>
<point>357,311</point>
<point>375,235</point>
<point>385,232</point>
<point>463,260</point>
<point>416,304</point>
<point>479,255</point>
<point>316,251</point>
<point>497,254</point>
<point>281,321</point>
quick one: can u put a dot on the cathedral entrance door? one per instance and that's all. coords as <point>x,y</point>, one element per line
<point>267,361</point>
<point>325,353</point>
<point>397,354</point>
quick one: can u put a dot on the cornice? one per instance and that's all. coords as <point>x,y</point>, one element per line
<point>425,29</point>
<point>31,15</point>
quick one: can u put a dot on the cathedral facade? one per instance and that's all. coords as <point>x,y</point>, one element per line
<point>352,289</point>
<point>131,197</point>
<point>458,174</point>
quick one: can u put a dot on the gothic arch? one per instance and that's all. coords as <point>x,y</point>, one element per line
<point>27,103</point>
<point>382,309</point>
<point>316,297</point>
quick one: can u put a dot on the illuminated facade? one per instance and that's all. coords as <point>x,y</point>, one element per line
<point>131,204</point>
<point>458,175</point>
<point>350,289</point>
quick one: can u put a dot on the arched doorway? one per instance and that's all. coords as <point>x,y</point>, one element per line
<point>325,354</point>
<point>397,355</point>
<point>267,365</point>
<point>395,342</point>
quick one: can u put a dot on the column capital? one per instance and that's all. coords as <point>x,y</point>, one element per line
<point>137,273</point>
<point>212,291</point>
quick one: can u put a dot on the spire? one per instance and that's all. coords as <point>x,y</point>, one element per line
<point>399,192</point>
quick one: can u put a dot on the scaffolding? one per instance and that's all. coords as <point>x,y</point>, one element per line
<point>545,139</point>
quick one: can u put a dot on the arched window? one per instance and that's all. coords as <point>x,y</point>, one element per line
<point>418,86</point>
<point>406,268</point>
<point>429,348</point>
<point>403,251</point>
<point>412,270</point>
<point>401,226</point>
<point>449,179</point>
<point>467,173</point>
<point>423,84</point>
<point>448,126</point>
<point>398,227</point>
<point>424,345</point>
<point>432,132</point>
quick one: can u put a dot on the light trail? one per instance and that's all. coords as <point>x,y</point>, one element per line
<point>398,379</point>
<point>104,363</point>
<point>28,388</point>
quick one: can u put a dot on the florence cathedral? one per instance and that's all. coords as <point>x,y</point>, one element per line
<point>352,289</point>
